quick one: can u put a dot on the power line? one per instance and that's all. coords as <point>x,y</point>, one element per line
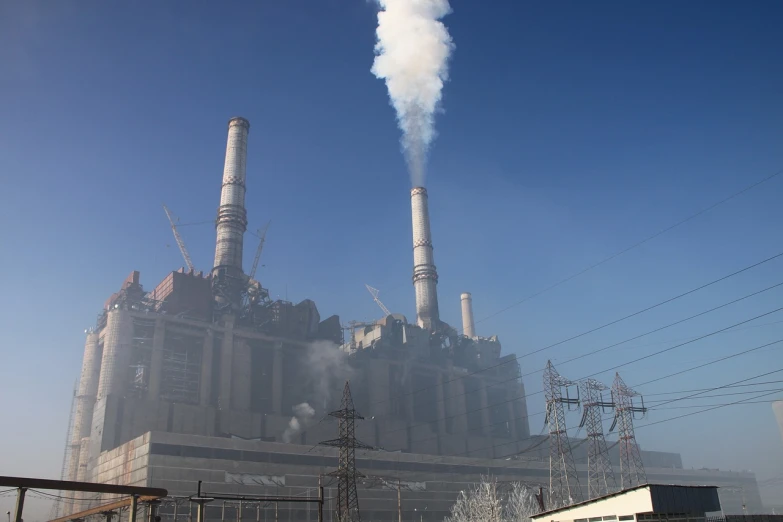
<point>541,391</point>
<point>707,409</point>
<point>659,352</point>
<point>712,362</point>
<point>685,343</point>
<point>721,405</point>
<point>670,325</point>
<point>635,245</point>
<point>710,389</point>
<point>721,395</point>
<point>467,453</point>
<point>605,325</point>
<point>717,388</point>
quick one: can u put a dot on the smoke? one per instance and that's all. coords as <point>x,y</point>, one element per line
<point>303,413</point>
<point>412,52</point>
<point>327,369</point>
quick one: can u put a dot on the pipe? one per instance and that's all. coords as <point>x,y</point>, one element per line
<point>425,276</point>
<point>232,217</point>
<point>468,326</point>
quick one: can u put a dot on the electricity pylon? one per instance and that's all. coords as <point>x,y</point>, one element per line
<point>600,477</point>
<point>631,466</point>
<point>564,486</point>
<point>347,497</point>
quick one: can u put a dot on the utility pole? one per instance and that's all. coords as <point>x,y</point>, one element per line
<point>347,497</point>
<point>631,466</point>
<point>600,477</point>
<point>564,486</point>
<point>399,502</point>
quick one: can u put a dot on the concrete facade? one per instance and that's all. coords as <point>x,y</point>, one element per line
<point>232,466</point>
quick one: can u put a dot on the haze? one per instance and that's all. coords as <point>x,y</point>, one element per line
<point>570,131</point>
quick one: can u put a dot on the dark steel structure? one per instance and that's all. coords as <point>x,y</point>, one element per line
<point>346,473</point>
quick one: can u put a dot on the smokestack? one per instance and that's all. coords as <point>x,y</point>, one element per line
<point>467,315</point>
<point>231,223</point>
<point>425,277</point>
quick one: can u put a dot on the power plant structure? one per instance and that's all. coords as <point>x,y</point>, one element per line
<point>203,378</point>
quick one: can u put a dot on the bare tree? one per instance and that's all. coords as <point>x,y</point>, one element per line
<point>484,502</point>
<point>521,504</point>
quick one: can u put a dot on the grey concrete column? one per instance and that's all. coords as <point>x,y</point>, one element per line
<point>205,392</point>
<point>156,360</point>
<point>485,417</point>
<point>459,412</point>
<point>226,364</point>
<point>441,405</point>
<point>520,409</point>
<point>240,376</point>
<point>277,378</point>
<point>409,395</point>
<point>512,416</point>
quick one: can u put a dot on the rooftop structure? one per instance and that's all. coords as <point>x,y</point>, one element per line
<point>646,502</point>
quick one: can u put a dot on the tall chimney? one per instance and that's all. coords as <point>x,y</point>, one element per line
<point>467,315</point>
<point>425,277</point>
<point>231,223</point>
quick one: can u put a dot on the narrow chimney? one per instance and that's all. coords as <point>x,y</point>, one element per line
<point>232,218</point>
<point>467,315</point>
<point>425,277</point>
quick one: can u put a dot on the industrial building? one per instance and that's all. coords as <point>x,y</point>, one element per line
<point>198,378</point>
<point>648,502</point>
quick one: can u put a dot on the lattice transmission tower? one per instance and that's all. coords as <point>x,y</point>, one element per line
<point>346,473</point>
<point>564,486</point>
<point>600,477</point>
<point>631,466</point>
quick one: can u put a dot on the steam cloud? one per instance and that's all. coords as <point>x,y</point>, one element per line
<point>303,413</point>
<point>327,370</point>
<point>412,55</point>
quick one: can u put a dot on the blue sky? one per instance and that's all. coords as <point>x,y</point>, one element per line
<point>570,131</point>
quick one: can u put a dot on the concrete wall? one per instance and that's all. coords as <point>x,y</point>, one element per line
<point>176,462</point>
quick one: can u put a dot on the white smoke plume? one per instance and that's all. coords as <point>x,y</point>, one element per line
<point>412,55</point>
<point>303,414</point>
<point>327,369</point>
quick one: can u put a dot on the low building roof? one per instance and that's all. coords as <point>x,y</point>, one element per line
<point>664,498</point>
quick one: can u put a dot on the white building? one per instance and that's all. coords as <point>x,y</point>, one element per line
<point>649,502</point>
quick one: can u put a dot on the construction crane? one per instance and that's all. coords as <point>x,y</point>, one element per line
<point>374,293</point>
<point>178,239</point>
<point>262,237</point>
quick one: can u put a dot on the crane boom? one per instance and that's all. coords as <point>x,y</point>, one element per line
<point>262,237</point>
<point>374,293</point>
<point>178,239</point>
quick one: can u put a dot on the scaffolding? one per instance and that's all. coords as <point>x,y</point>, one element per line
<point>141,356</point>
<point>181,371</point>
